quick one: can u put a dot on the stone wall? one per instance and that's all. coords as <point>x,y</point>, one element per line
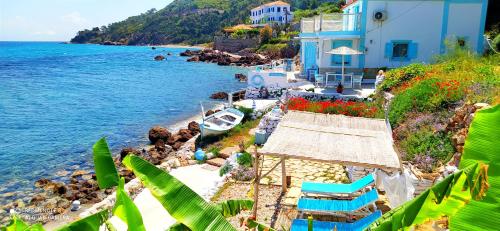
<point>223,43</point>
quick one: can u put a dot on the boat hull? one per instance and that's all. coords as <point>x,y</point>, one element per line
<point>221,122</point>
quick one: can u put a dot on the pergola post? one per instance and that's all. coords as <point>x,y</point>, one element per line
<point>256,184</point>
<point>283,175</point>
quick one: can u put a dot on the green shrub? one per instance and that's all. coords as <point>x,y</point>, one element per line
<point>243,33</point>
<point>247,112</point>
<point>425,142</point>
<point>496,43</point>
<point>272,47</point>
<point>215,150</point>
<point>245,159</point>
<point>396,77</point>
<point>428,95</point>
<point>225,169</point>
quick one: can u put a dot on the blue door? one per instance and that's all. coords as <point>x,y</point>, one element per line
<point>337,59</point>
<point>309,55</point>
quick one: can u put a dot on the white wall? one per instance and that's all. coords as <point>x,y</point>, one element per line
<point>464,21</point>
<point>419,21</point>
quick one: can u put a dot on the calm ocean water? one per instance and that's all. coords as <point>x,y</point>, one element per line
<point>56,100</point>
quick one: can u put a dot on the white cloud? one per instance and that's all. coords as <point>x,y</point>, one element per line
<point>75,18</point>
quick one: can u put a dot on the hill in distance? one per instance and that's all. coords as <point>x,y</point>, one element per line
<point>182,21</point>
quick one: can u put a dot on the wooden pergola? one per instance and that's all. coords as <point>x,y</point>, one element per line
<point>337,139</point>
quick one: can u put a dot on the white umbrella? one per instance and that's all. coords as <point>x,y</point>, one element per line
<point>343,50</point>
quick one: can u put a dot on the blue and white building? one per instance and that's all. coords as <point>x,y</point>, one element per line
<point>392,33</point>
<point>274,12</point>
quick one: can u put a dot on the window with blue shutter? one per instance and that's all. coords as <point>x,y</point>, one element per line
<point>388,50</point>
<point>401,50</point>
<point>337,59</point>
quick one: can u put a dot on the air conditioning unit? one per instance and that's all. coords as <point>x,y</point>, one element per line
<point>379,15</point>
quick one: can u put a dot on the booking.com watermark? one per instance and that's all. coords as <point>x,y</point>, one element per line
<point>39,214</point>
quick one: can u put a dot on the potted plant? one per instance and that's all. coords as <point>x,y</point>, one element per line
<point>340,88</point>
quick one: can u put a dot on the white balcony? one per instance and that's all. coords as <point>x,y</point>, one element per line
<point>331,23</point>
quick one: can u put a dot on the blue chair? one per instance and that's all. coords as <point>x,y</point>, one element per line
<point>326,188</point>
<point>361,224</point>
<point>338,206</point>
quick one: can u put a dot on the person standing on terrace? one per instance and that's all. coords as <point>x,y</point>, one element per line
<point>380,77</point>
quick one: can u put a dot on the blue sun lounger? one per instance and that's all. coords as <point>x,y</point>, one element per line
<point>361,224</point>
<point>337,206</point>
<point>326,188</point>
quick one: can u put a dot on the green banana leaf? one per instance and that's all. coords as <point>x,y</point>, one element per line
<point>445,198</point>
<point>90,223</point>
<point>104,167</point>
<point>126,210</point>
<point>482,144</point>
<point>17,224</point>
<point>464,196</point>
<point>227,208</point>
<point>252,224</point>
<point>178,227</point>
<point>231,208</point>
<point>182,203</point>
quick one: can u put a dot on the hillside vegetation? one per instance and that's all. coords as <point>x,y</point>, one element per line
<point>427,97</point>
<point>182,21</point>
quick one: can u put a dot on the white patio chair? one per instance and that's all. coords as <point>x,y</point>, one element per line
<point>356,81</point>
<point>319,79</point>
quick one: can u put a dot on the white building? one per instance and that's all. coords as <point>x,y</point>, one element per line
<point>392,33</point>
<point>273,12</point>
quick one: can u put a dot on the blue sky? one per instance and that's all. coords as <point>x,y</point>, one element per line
<point>59,20</point>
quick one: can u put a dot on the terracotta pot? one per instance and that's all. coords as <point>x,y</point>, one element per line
<point>340,89</point>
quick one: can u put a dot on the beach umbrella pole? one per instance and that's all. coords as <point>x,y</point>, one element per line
<point>341,79</point>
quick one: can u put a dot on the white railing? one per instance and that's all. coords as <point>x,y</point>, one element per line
<point>331,22</point>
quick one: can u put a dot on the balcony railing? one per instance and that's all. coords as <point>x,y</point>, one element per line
<point>331,22</point>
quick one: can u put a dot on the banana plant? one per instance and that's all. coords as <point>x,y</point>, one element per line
<point>181,202</point>
<point>470,197</point>
<point>191,210</point>
<point>17,224</point>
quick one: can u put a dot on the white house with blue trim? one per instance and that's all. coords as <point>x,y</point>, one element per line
<point>392,33</point>
<point>277,12</point>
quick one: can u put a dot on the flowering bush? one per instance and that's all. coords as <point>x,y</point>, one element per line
<point>242,173</point>
<point>348,108</point>
<point>401,75</point>
<point>425,95</point>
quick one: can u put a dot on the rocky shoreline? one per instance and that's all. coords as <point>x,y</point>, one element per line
<point>224,58</point>
<point>56,197</point>
<point>52,198</point>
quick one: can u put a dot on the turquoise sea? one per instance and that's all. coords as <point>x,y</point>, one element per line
<point>57,99</point>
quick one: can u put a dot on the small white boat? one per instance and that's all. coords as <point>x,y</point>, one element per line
<point>221,122</point>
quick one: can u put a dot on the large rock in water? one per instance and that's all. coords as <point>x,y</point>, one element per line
<point>219,95</point>
<point>159,57</point>
<point>124,152</point>
<point>240,77</point>
<point>194,59</point>
<point>157,132</point>
<point>209,112</point>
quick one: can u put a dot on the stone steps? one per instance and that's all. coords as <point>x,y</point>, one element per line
<point>216,162</point>
<point>227,152</point>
